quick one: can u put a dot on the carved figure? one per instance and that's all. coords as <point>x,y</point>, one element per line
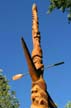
<point>37,51</point>
<point>39,95</point>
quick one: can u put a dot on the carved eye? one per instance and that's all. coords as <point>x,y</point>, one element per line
<point>33,99</point>
<point>42,102</point>
<point>34,91</point>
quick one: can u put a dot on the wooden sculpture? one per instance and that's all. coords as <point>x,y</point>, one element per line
<point>39,95</point>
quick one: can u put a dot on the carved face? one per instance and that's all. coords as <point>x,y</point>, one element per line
<point>38,96</point>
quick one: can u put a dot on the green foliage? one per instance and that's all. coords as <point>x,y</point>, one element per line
<point>68,105</point>
<point>63,5</point>
<point>7,98</point>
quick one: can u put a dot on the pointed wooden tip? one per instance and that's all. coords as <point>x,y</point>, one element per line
<point>34,6</point>
<point>23,42</point>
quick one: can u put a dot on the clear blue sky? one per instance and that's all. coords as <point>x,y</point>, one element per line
<point>16,21</point>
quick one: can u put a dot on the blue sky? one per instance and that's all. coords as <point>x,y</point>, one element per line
<point>15,22</point>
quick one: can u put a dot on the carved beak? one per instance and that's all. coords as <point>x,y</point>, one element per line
<point>31,66</point>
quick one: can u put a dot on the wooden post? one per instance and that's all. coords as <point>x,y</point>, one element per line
<point>39,95</point>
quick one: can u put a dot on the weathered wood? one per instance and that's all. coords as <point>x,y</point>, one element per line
<point>37,51</point>
<point>39,95</point>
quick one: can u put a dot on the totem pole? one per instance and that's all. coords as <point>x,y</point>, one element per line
<point>39,95</point>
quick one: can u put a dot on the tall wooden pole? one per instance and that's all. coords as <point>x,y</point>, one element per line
<point>37,51</point>
<point>39,96</point>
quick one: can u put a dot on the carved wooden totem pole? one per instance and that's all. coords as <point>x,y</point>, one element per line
<point>39,95</point>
